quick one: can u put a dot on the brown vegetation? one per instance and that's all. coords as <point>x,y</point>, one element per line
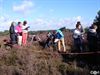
<point>33,60</point>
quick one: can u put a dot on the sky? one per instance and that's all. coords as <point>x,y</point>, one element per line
<point>48,14</point>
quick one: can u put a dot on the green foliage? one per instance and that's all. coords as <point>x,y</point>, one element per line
<point>66,67</point>
<point>6,32</point>
<point>97,21</point>
<point>86,29</point>
<point>62,67</point>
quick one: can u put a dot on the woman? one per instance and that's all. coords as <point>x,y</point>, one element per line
<point>60,39</point>
<point>92,38</point>
<point>19,33</point>
<point>12,33</point>
<point>78,37</point>
<point>24,33</point>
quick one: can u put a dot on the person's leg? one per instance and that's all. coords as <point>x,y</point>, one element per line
<point>49,43</point>
<point>76,45</point>
<point>20,40</point>
<point>59,45</point>
<point>81,45</point>
<point>46,43</point>
<point>91,45</point>
<point>26,36</point>
<point>11,38</point>
<point>14,39</point>
<point>25,39</point>
<point>63,43</point>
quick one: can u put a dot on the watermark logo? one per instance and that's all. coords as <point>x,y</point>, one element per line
<point>94,72</point>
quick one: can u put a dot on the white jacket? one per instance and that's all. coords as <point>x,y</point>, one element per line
<point>76,33</point>
<point>24,30</point>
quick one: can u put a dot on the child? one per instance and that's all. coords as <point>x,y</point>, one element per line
<point>78,38</point>
<point>50,39</point>
<point>60,39</point>
<point>92,38</point>
<point>19,33</point>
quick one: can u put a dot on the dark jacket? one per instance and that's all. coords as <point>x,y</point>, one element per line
<point>13,36</point>
<point>92,40</point>
<point>12,29</point>
<point>91,35</point>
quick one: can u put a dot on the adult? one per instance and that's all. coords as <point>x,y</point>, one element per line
<point>24,33</point>
<point>92,38</point>
<point>19,33</point>
<point>78,38</point>
<point>12,33</point>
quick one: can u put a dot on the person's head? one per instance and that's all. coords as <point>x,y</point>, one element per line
<point>78,26</point>
<point>19,23</point>
<point>13,24</point>
<point>54,32</point>
<point>78,22</point>
<point>25,22</point>
<point>94,26</point>
<point>62,29</point>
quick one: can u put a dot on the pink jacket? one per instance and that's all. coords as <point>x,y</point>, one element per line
<point>18,29</point>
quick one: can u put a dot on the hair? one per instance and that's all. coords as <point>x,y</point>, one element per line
<point>62,29</point>
<point>93,26</point>
<point>19,23</point>
<point>25,22</point>
<point>12,24</point>
<point>54,31</point>
<point>78,24</point>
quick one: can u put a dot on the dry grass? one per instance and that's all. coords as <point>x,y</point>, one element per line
<point>33,60</point>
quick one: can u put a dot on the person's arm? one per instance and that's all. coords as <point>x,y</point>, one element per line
<point>11,30</point>
<point>76,34</point>
<point>26,28</point>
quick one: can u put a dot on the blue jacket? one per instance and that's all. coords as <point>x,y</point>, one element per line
<point>59,34</point>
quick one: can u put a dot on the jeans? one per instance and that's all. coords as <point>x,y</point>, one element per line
<point>78,43</point>
<point>13,38</point>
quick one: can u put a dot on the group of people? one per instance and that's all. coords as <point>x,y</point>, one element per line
<point>18,33</point>
<point>92,37</point>
<point>57,38</point>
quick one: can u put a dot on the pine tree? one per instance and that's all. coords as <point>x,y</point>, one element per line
<point>97,21</point>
